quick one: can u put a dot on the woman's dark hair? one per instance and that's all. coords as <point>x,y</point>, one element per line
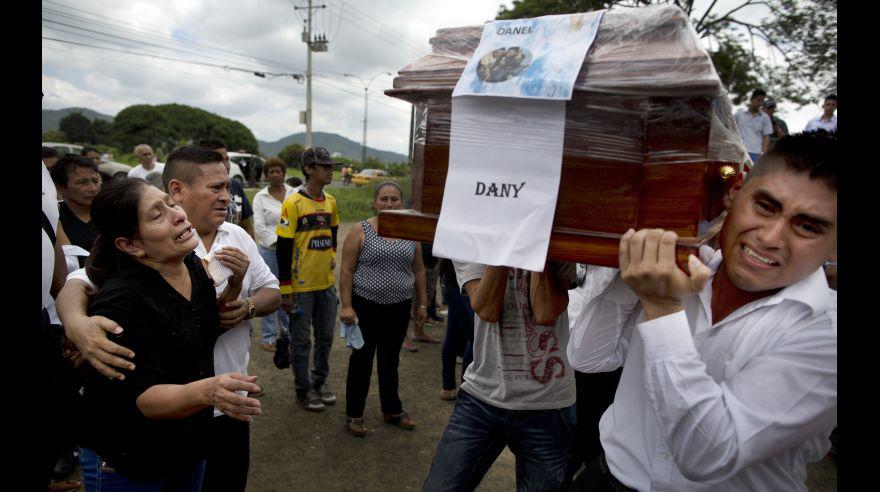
<point>274,162</point>
<point>384,184</point>
<point>114,215</point>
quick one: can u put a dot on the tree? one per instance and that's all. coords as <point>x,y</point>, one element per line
<point>102,132</point>
<point>292,155</point>
<point>54,136</point>
<point>165,126</point>
<point>803,33</point>
<point>77,127</point>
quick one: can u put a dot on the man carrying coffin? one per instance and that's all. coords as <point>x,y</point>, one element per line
<point>519,391</point>
<point>730,373</point>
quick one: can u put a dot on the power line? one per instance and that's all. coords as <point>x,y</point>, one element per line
<point>384,34</point>
<point>362,15</point>
<point>168,58</point>
<point>139,42</point>
<point>155,33</point>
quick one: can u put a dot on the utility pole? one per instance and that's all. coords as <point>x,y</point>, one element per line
<point>366,98</point>
<point>316,44</point>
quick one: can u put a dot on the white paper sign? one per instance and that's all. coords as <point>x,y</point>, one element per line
<point>505,159</point>
<point>530,58</point>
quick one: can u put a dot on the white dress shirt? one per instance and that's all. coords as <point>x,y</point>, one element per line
<point>267,213</point>
<point>742,404</point>
<point>50,208</point>
<point>818,123</point>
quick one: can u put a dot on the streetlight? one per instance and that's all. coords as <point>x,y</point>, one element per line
<point>366,88</point>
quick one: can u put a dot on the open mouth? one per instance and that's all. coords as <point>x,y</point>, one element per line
<point>185,234</point>
<point>752,254</point>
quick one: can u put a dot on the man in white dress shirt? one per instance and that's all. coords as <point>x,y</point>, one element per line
<point>730,373</point>
<point>827,121</point>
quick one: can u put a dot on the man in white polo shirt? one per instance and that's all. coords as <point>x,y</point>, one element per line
<point>730,373</point>
<point>197,180</point>
<point>148,163</point>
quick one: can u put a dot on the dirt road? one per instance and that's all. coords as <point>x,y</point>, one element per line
<point>292,449</point>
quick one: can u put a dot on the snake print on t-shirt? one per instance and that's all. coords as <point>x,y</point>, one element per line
<point>384,270</point>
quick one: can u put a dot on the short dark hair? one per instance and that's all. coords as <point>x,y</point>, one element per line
<point>60,172</point>
<point>274,162</point>
<point>758,92</point>
<point>211,143</point>
<point>294,181</point>
<point>180,163</point>
<point>86,150</point>
<point>816,153</point>
<point>114,215</point>
<point>49,152</point>
<point>831,96</point>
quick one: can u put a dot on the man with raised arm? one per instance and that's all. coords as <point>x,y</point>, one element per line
<point>729,372</point>
<point>519,391</point>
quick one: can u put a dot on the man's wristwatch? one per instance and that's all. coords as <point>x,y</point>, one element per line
<point>252,308</point>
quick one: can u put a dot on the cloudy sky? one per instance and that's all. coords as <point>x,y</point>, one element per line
<point>174,51</point>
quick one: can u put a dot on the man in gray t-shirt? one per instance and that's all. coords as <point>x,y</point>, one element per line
<point>519,391</point>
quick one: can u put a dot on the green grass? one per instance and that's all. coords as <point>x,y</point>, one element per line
<point>355,202</point>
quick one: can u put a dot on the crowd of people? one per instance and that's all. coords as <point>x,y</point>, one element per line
<point>639,378</point>
<point>760,128</point>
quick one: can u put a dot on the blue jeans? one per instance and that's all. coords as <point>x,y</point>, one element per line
<point>319,311</point>
<point>754,156</point>
<point>186,478</point>
<point>477,433</point>
<point>274,321</point>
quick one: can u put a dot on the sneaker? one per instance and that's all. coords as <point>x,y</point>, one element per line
<point>325,394</point>
<point>310,401</point>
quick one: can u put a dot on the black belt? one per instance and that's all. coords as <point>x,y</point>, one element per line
<point>615,484</point>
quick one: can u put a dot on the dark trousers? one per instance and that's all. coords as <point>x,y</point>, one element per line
<point>228,460</point>
<point>596,477</point>
<point>459,337</point>
<point>595,392</point>
<point>384,328</point>
<point>47,396</point>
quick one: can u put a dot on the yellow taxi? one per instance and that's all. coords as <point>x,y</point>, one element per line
<point>368,176</point>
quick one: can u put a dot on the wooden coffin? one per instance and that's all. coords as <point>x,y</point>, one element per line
<point>649,139</point>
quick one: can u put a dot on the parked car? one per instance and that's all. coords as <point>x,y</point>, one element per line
<point>368,176</point>
<point>251,166</point>
<point>235,172</point>
<point>108,169</point>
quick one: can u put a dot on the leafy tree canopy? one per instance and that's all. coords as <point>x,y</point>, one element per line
<point>77,127</point>
<point>292,155</point>
<point>165,126</point>
<point>800,33</point>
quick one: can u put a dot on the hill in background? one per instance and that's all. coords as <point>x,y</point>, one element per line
<point>332,142</point>
<point>51,117</point>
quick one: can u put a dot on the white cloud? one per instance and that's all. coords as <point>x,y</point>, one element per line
<point>368,38</point>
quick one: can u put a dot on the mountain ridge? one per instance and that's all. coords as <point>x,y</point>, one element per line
<point>333,142</point>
